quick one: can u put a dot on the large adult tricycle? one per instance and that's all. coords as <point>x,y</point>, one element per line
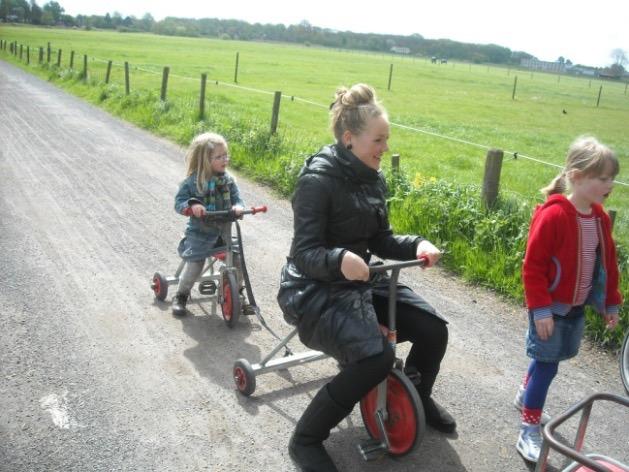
<point>392,411</point>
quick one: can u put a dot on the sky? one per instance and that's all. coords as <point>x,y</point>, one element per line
<point>583,32</point>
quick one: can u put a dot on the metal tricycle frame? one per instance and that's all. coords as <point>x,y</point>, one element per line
<point>392,411</point>
<point>582,462</point>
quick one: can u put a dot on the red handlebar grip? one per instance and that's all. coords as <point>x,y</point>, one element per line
<point>258,209</point>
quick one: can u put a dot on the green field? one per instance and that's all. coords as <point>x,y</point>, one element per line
<point>461,101</point>
<point>444,117</point>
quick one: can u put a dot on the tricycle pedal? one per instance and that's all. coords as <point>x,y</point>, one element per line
<point>372,449</point>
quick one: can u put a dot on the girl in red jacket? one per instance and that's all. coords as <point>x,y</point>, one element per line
<point>570,262</point>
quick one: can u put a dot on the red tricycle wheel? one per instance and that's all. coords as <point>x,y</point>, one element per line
<point>230,306</point>
<point>159,285</point>
<point>406,423</point>
<point>244,377</point>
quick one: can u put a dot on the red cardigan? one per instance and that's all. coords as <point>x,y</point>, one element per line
<point>552,262</point>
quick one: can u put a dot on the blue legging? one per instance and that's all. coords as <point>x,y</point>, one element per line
<point>541,374</point>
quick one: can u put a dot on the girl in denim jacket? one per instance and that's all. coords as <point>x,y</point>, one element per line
<point>570,262</point>
<point>207,187</point>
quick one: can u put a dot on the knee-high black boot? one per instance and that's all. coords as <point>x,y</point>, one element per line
<point>306,445</point>
<point>436,415</point>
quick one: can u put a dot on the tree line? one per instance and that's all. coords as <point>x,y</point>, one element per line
<point>53,14</point>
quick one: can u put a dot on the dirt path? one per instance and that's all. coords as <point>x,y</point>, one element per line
<point>97,375</point>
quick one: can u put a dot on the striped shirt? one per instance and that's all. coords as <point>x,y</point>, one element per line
<point>589,243</point>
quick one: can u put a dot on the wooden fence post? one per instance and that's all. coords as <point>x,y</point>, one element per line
<point>126,78</point>
<point>59,58</point>
<point>21,48</point>
<point>84,67</point>
<point>390,75</point>
<point>236,68</point>
<point>515,84</point>
<point>48,54</point>
<point>276,111</point>
<point>71,59</point>
<point>28,55</point>
<point>395,163</point>
<point>202,97</point>
<point>164,83</point>
<point>108,73</point>
<point>41,54</point>
<point>598,100</point>
<point>491,179</point>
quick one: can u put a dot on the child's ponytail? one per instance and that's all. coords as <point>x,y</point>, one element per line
<point>557,185</point>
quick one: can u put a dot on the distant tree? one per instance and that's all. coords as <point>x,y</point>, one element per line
<point>55,10</point>
<point>36,13</point>
<point>619,56</point>
<point>147,22</point>
<point>568,62</point>
<point>5,8</point>
<point>47,18</point>
<point>561,60</point>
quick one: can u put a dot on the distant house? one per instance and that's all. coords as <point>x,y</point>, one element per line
<point>400,50</point>
<point>582,70</point>
<point>545,66</point>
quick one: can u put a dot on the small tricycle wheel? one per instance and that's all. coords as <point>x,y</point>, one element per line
<point>406,423</point>
<point>230,305</point>
<point>244,377</point>
<point>624,362</point>
<point>159,286</point>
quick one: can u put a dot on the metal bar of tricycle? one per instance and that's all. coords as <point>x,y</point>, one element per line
<point>583,424</point>
<point>395,273</point>
<point>551,443</point>
<point>288,361</point>
<point>278,347</point>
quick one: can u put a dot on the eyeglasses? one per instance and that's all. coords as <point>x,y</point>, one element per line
<point>224,157</point>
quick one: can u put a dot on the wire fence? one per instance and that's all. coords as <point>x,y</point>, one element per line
<point>52,56</point>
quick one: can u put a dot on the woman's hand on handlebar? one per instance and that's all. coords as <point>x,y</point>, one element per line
<point>354,267</point>
<point>426,250</point>
<point>198,210</point>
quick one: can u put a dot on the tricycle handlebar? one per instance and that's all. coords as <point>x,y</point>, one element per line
<point>230,213</point>
<point>398,265</point>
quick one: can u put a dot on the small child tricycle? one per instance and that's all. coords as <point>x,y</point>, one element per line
<point>223,274</point>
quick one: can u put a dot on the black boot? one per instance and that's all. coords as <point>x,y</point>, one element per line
<point>179,304</point>
<point>436,415</point>
<point>306,445</point>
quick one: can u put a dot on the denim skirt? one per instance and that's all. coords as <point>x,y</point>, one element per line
<point>565,340</point>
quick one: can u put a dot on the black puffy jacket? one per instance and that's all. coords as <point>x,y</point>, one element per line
<point>339,204</point>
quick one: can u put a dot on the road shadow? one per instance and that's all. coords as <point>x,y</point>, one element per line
<point>217,345</point>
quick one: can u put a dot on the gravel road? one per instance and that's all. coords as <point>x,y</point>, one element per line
<point>96,375</point>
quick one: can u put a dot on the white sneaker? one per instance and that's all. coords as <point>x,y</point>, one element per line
<point>518,402</point>
<point>529,442</point>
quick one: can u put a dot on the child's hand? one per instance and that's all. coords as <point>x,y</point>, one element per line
<point>237,209</point>
<point>544,328</point>
<point>427,250</point>
<point>611,321</point>
<point>198,210</point>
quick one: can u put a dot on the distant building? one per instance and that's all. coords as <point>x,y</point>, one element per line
<point>545,66</point>
<point>400,50</point>
<point>582,70</point>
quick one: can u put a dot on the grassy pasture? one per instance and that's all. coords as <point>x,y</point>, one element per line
<point>472,103</point>
<point>457,110</point>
